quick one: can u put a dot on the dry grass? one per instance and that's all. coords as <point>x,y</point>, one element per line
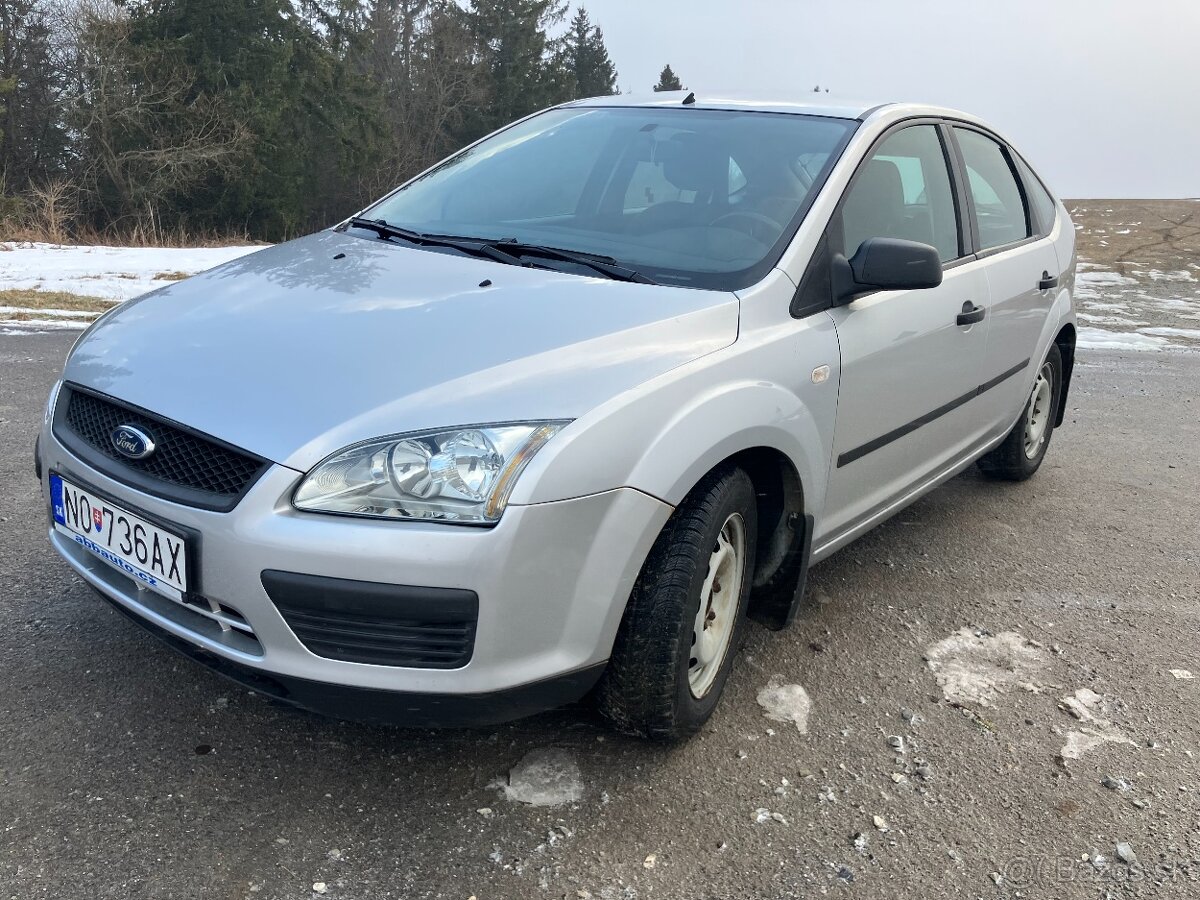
<point>136,237</point>
<point>171,276</point>
<point>27,299</point>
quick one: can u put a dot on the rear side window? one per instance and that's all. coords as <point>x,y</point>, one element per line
<point>999,205</point>
<point>903,191</point>
<point>1044,207</point>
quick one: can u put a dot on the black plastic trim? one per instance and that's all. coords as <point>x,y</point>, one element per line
<point>1043,228</point>
<point>147,484</point>
<point>815,293</point>
<point>776,605</point>
<point>374,623</point>
<point>1009,154</point>
<point>377,706</point>
<point>969,236</point>
<point>896,433</point>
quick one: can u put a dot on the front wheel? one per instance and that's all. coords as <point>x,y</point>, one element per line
<point>677,640</point>
<point>1022,452</point>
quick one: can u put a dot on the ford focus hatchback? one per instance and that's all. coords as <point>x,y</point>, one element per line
<point>563,413</point>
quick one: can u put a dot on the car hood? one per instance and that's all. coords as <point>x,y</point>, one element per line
<point>298,350</point>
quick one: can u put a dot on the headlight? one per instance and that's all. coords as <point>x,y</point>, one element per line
<point>458,475</point>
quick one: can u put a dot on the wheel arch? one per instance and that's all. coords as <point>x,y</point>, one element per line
<point>784,535</point>
<point>1065,341</point>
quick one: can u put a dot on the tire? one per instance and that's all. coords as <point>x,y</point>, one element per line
<point>650,686</point>
<point>1022,452</point>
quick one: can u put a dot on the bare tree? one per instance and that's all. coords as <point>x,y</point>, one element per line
<point>145,139</point>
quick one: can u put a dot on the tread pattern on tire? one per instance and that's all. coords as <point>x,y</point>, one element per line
<point>638,693</point>
<point>1007,461</point>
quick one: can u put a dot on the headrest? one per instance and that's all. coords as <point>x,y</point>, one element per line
<point>881,182</point>
<point>692,163</point>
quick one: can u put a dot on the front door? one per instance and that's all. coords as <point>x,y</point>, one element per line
<point>912,361</point>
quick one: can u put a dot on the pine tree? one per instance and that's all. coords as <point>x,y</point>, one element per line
<point>668,80</point>
<point>33,136</point>
<point>521,64</point>
<point>288,84</point>
<point>586,59</point>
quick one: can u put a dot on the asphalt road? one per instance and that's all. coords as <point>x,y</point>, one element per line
<point>129,772</point>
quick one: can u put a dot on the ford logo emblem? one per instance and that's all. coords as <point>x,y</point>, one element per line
<point>132,442</point>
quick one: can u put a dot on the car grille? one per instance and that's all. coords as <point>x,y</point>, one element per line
<point>420,645</point>
<point>186,466</point>
<point>386,625</point>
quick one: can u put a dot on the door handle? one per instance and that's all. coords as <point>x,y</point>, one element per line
<point>1047,281</point>
<point>971,314</point>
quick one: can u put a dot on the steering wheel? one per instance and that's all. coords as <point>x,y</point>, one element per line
<point>756,221</point>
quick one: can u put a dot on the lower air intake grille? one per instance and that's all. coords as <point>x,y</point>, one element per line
<point>380,624</point>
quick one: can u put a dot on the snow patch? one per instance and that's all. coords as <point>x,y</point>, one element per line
<point>1099,339</point>
<point>1095,727</point>
<point>545,777</point>
<point>974,667</point>
<point>114,273</point>
<point>34,326</point>
<point>1158,275</point>
<point>1167,331</point>
<point>786,703</point>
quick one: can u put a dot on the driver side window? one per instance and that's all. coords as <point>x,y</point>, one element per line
<point>903,191</point>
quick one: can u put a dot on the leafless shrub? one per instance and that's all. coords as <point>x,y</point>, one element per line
<point>53,209</point>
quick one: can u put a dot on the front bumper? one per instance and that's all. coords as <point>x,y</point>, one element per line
<point>551,579</point>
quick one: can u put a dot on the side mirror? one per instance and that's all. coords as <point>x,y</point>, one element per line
<point>886,264</point>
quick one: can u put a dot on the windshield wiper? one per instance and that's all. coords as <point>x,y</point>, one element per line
<point>509,252</point>
<point>605,265</point>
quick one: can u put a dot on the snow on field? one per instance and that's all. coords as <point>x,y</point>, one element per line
<point>1100,339</point>
<point>1144,310</point>
<point>1140,309</point>
<point>113,273</point>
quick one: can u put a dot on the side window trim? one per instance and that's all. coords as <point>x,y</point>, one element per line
<point>804,301</point>
<point>1042,229</point>
<point>1009,155</point>
<point>962,194</point>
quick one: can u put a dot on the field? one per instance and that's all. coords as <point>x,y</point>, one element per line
<point>1139,276</point>
<point>1139,273</point>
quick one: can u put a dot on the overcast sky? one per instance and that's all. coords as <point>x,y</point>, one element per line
<point>1102,96</point>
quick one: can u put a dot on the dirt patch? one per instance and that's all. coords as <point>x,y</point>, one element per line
<point>1137,234</point>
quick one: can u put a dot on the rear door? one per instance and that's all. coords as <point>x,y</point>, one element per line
<point>1021,264</point>
<point>910,370</point>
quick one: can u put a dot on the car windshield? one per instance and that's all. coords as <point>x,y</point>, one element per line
<point>695,197</point>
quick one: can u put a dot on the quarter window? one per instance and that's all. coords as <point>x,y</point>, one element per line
<point>903,191</point>
<point>999,204</point>
<point>1043,204</point>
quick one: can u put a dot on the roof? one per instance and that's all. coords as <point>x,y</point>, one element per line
<point>800,103</point>
<point>804,103</point>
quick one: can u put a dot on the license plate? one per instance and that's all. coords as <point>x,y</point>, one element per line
<point>155,557</point>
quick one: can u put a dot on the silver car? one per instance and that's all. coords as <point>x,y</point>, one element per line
<point>562,413</point>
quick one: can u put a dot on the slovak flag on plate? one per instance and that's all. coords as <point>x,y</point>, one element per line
<point>98,518</point>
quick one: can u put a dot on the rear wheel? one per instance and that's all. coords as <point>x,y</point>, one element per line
<point>1022,452</point>
<point>679,635</point>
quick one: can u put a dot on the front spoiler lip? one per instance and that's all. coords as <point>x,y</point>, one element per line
<point>382,707</point>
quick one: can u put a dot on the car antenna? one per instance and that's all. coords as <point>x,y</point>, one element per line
<point>689,99</point>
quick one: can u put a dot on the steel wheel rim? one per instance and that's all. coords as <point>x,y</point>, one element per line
<point>1037,417</point>
<point>720,596</point>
